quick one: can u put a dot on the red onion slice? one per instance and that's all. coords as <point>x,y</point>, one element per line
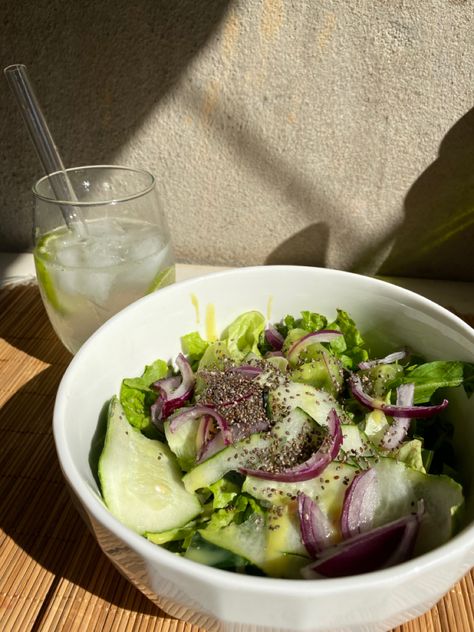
<point>209,439</point>
<point>247,370</point>
<point>204,430</point>
<point>393,409</point>
<point>167,384</point>
<point>274,337</point>
<point>323,335</point>
<point>172,397</point>
<point>315,464</point>
<point>395,434</point>
<point>199,411</point>
<point>187,375</point>
<point>211,447</point>
<point>379,548</point>
<point>360,501</point>
<point>389,359</point>
<point>316,529</point>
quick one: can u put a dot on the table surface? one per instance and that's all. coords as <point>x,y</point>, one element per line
<point>53,574</point>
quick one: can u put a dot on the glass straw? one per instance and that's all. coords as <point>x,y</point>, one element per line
<point>46,148</point>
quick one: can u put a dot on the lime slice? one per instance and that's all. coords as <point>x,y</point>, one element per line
<point>165,277</point>
<point>43,255</point>
<point>141,480</point>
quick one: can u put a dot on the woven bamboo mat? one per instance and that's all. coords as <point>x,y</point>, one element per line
<point>53,576</point>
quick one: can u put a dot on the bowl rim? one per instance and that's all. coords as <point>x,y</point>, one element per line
<point>455,547</point>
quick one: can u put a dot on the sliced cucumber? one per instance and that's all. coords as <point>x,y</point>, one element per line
<point>285,552</point>
<point>141,480</point>
<point>231,458</point>
<point>183,443</point>
<point>296,426</point>
<point>315,402</point>
<point>205,552</point>
<point>355,442</point>
<point>400,488</point>
<point>327,489</point>
<point>272,545</point>
<point>250,452</point>
<point>247,539</point>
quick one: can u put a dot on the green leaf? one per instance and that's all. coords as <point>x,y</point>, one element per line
<point>311,321</point>
<point>350,347</point>
<point>173,535</point>
<point>431,376</point>
<point>214,356</point>
<point>193,347</point>
<point>242,335</point>
<point>153,372</point>
<point>411,453</point>
<point>224,492</point>
<point>136,396</point>
<point>308,322</point>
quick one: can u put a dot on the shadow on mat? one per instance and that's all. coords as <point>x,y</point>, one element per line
<point>36,510</point>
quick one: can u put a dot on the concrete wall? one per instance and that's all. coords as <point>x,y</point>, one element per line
<point>318,132</point>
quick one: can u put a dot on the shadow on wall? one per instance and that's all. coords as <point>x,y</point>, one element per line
<point>302,195</point>
<point>438,223</point>
<point>308,247</point>
<point>439,213</point>
<point>108,63</point>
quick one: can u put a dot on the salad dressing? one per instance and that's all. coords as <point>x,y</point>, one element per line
<point>195,302</point>
<point>269,308</point>
<point>211,329</point>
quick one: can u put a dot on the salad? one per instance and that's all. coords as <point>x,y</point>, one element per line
<point>286,450</point>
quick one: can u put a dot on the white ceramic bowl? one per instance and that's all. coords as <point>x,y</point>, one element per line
<point>219,600</point>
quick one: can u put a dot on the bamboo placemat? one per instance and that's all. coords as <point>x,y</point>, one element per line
<point>53,575</point>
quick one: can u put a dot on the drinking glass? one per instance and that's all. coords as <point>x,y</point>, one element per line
<point>116,250</point>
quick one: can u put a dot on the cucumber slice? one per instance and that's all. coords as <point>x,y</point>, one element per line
<point>231,458</point>
<point>244,453</point>
<point>400,487</point>
<point>246,539</point>
<point>183,443</point>
<point>315,402</point>
<point>285,553</point>
<point>327,489</point>
<point>355,442</point>
<point>141,480</point>
<point>257,540</point>
<point>296,426</point>
<point>204,552</point>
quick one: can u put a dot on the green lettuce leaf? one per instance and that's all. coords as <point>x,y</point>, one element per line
<point>243,334</point>
<point>224,492</point>
<point>136,394</point>
<point>311,321</point>
<point>174,535</point>
<point>194,347</point>
<point>411,453</point>
<point>351,347</point>
<point>308,322</point>
<point>431,376</point>
<point>214,356</point>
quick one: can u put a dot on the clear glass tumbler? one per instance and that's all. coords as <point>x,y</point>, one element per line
<point>115,251</point>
